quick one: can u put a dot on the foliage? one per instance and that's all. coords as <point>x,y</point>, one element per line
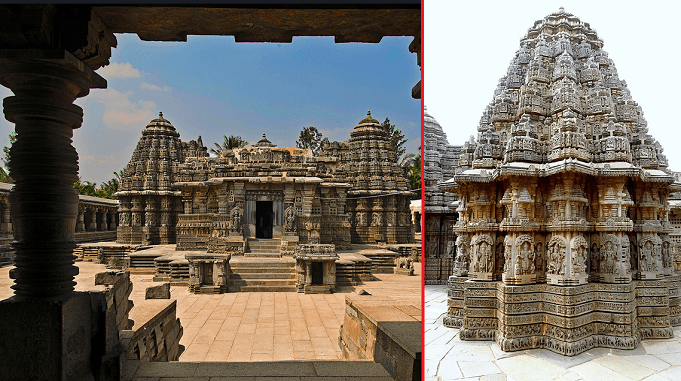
<point>106,190</point>
<point>229,143</point>
<point>411,169</point>
<point>4,175</point>
<point>310,138</point>
<point>396,139</point>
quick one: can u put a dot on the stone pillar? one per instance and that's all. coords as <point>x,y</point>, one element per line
<point>6,222</point>
<point>93,220</point>
<point>80,224</point>
<point>112,224</point>
<point>105,214</point>
<point>44,164</point>
<point>308,273</point>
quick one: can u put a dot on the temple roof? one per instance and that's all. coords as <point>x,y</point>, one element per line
<point>264,142</point>
<point>160,125</point>
<point>562,98</point>
<point>368,119</point>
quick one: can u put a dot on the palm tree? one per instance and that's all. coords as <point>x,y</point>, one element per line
<point>230,142</point>
<point>411,169</point>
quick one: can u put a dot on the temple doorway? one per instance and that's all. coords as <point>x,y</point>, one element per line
<point>317,270</point>
<point>263,219</point>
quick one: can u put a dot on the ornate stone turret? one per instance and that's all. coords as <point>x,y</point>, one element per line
<point>564,186</point>
<point>379,198</point>
<point>264,142</point>
<point>148,206</point>
<point>441,160</point>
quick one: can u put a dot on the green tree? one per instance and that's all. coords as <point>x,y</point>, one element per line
<point>309,138</point>
<point>110,187</point>
<point>229,143</point>
<point>396,139</point>
<point>411,169</point>
<point>105,190</point>
<point>4,177</point>
<point>4,172</point>
<point>85,187</point>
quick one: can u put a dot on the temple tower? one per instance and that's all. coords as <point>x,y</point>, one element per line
<point>378,201</point>
<point>148,206</point>
<point>441,160</point>
<point>563,205</point>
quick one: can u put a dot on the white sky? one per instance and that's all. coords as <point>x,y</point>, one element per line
<point>468,46</point>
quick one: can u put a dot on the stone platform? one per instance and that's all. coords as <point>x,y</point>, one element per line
<point>251,326</point>
<point>447,357</point>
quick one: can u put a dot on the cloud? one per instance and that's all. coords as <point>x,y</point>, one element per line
<point>121,113</point>
<point>154,87</point>
<point>119,70</point>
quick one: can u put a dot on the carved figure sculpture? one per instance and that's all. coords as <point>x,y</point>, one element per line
<point>291,220</point>
<point>461,262</point>
<point>236,219</point>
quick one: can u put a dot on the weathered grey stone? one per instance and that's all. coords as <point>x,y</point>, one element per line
<point>563,237</point>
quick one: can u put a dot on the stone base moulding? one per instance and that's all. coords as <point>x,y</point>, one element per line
<point>567,320</point>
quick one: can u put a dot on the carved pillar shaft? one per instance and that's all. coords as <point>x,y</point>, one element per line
<point>80,225</point>
<point>44,165</point>
<point>6,222</point>
<point>112,224</point>
<point>105,226</point>
<point>93,220</point>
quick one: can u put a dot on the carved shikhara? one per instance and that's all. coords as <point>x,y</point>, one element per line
<point>563,238</point>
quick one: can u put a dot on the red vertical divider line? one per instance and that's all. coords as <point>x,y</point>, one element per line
<point>423,198</point>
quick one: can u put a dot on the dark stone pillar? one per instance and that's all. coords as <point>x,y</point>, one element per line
<point>80,224</point>
<point>44,164</point>
<point>93,220</point>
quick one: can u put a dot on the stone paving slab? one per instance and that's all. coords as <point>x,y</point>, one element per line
<point>256,326</point>
<point>447,357</point>
<point>278,371</point>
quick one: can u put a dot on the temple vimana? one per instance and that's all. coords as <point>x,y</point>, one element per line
<point>558,225</point>
<point>273,204</point>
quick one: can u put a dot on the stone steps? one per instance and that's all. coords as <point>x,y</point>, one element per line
<point>262,255</point>
<point>262,289</point>
<point>263,247</point>
<point>262,275</point>
<point>268,275</point>
<point>262,282</point>
<point>259,270</point>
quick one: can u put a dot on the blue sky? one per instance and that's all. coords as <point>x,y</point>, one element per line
<point>212,86</point>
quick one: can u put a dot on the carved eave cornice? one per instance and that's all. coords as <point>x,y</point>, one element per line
<point>675,187</point>
<point>316,257</point>
<point>611,169</point>
<point>373,192</point>
<point>196,256</point>
<point>146,193</point>
<point>335,185</point>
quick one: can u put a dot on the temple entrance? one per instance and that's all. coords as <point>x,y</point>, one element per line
<point>263,219</point>
<point>207,273</point>
<point>317,270</point>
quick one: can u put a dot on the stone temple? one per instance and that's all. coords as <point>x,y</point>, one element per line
<point>263,201</point>
<point>563,237</point>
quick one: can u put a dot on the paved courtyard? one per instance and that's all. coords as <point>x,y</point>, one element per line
<point>449,358</point>
<point>253,326</point>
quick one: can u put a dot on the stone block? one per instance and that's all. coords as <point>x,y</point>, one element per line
<point>55,337</point>
<point>161,291</point>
